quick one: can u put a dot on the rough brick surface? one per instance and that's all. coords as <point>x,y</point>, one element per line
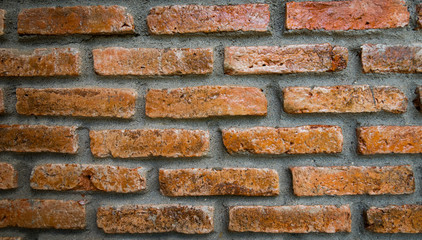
<point>419,12</point>
<point>389,139</point>
<point>286,59</point>
<point>42,214</point>
<point>296,140</point>
<point>418,100</point>
<point>205,101</point>
<point>42,62</point>
<point>395,219</point>
<point>62,177</point>
<point>85,102</point>
<point>208,19</point>
<point>153,61</point>
<point>38,138</point>
<point>347,15</point>
<point>156,219</point>
<point>149,142</point>
<point>343,99</point>
<point>8,176</point>
<point>75,20</point>
<point>2,108</point>
<point>290,219</point>
<point>227,181</point>
<point>2,18</point>
<point>317,181</point>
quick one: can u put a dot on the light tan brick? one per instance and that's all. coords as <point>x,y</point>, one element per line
<point>395,219</point>
<point>8,176</point>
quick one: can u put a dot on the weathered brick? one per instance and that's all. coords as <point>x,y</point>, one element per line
<point>418,100</point>
<point>36,213</point>
<point>2,108</point>
<point>149,142</point>
<point>209,19</point>
<point>62,177</point>
<point>346,15</point>
<point>85,102</point>
<point>75,20</point>
<point>2,18</point>
<point>38,138</point>
<point>395,219</point>
<point>286,59</point>
<point>295,140</point>
<point>205,101</point>
<point>42,62</point>
<point>419,11</point>
<point>389,139</point>
<point>344,99</point>
<point>8,176</point>
<point>290,219</point>
<point>378,58</point>
<point>317,181</point>
<point>227,181</point>
<point>156,219</point>
<point>153,61</point>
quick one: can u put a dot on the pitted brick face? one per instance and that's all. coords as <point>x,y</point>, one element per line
<point>395,219</point>
<point>8,176</point>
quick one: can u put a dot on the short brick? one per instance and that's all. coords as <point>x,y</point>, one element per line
<point>38,138</point>
<point>286,59</point>
<point>395,219</point>
<point>205,101</point>
<point>295,140</point>
<point>156,219</point>
<point>227,181</point>
<point>35,213</point>
<point>8,176</point>
<point>41,62</point>
<point>84,102</point>
<point>418,100</point>
<point>419,11</point>
<point>318,181</point>
<point>149,142</point>
<point>75,20</point>
<point>63,177</point>
<point>153,61</point>
<point>389,139</point>
<point>2,108</point>
<point>2,18</point>
<point>290,219</point>
<point>344,99</point>
<point>209,19</point>
<point>346,15</point>
<point>378,58</point>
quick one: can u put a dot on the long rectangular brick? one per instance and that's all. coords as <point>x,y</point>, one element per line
<point>205,101</point>
<point>346,15</point>
<point>38,138</point>
<point>75,20</point>
<point>11,238</point>
<point>227,181</point>
<point>209,19</point>
<point>2,18</point>
<point>344,99</point>
<point>290,219</point>
<point>286,59</point>
<point>2,108</point>
<point>389,139</point>
<point>84,102</point>
<point>81,177</point>
<point>149,142</point>
<point>295,140</point>
<point>153,61</point>
<point>8,176</point>
<point>36,213</point>
<point>318,181</point>
<point>395,219</point>
<point>156,219</point>
<point>43,62</point>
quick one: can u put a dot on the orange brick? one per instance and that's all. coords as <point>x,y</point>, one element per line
<point>395,219</point>
<point>2,108</point>
<point>2,18</point>
<point>8,176</point>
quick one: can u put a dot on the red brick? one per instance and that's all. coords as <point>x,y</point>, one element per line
<point>205,101</point>
<point>8,176</point>
<point>318,181</point>
<point>156,219</point>
<point>2,108</point>
<point>290,219</point>
<point>419,12</point>
<point>209,19</point>
<point>43,62</point>
<point>36,213</point>
<point>227,181</point>
<point>153,61</point>
<point>295,140</point>
<point>85,102</point>
<point>38,138</point>
<point>286,59</point>
<point>75,20</point>
<point>395,219</point>
<point>149,142</point>
<point>2,18</point>
<point>63,177</point>
<point>346,15</point>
